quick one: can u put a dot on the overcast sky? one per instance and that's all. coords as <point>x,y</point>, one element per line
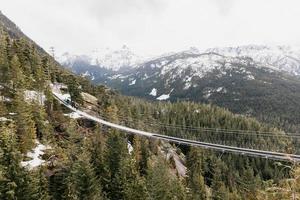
<point>155,26</point>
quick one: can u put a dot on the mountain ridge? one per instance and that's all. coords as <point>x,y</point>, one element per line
<point>227,77</point>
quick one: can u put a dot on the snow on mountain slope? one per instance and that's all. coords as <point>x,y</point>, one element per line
<point>105,58</point>
<point>187,66</point>
<point>284,58</point>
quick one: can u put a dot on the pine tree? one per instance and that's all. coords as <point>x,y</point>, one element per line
<point>82,182</point>
<point>15,182</point>
<point>46,68</point>
<point>161,184</point>
<point>43,128</point>
<point>141,154</point>
<point>57,183</point>
<point>4,62</point>
<point>195,178</point>
<point>97,149</point>
<point>74,89</point>
<point>49,103</point>
<point>249,183</point>
<point>16,75</point>
<point>116,151</point>
<point>134,186</point>
<point>41,185</point>
<point>3,109</point>
<point>219,190</point>
<point>24,123</point>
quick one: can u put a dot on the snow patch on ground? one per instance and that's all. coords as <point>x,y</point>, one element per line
<point>35,156</point>
<point>187,85</point>
<point>163,97</point>
<point>4,119</point>
<point>153,92</point>
<point>129,147</point>
<point>116,76</point>
<point>207,94</point>
<point>188,82</point>
<point>209,91</point>
<point>73,115</point>
<point>87,73</point>
<point>250,77</point>
<point>132,82</point>
<point>5,99</point>
<point>219,89</point>
<point>31,95</point>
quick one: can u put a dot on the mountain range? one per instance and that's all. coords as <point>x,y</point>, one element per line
<point>49,153</point>
<point>254,80</point>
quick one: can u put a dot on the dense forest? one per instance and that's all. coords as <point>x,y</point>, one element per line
<point>90,161</point>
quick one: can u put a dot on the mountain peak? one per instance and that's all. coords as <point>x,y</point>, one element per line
<point>125,47</point>
<point>112,59</point>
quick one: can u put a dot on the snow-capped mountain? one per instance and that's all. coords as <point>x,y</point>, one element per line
<point>119,63</point>
<point>247,79</point>
<point>105,58</point>
<point>284,58</point>
<point>183,72</point>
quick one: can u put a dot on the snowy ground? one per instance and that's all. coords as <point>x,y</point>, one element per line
<point>73,115</point>
<point>31,95</point>
<point>35,155</point>
<point>129,147</point>
<point>132,82</point>
<point>4,119</point>
<point>153,92</point>
<point>163,97</point>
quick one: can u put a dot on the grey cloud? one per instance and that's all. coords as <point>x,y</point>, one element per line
<point>154,26</point>
<point>224,6</point>
<point>108,8</point>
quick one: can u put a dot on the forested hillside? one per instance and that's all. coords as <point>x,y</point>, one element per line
<point>84,160</point>
<point>240,83</point>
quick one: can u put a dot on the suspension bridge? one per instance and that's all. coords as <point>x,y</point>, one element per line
<point>218,147</point>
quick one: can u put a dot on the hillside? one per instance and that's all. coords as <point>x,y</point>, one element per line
<point>46,152</point>
<point>256,81</point>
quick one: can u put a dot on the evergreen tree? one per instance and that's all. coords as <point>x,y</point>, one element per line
<point>15,182</point>
<point>82,182</point>
<point>49,103</point>
<point>141,154</point>
<point>24,123</point>
<point>3,110</point>
<point>161,184</point>
<point>195,178</point>
<point>97,149</point>
<point>17,78</point>
<point>41,184</point>
<point>43,128</point>
<point>249,183</point>
<point>4,62</point>
<point>134,186</point>
<point>74,89</point>
<point>219,190</point>
<point>57,183</point>
<point>116,152</point>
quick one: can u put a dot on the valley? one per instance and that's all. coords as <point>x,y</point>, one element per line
<point>220,123</point>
